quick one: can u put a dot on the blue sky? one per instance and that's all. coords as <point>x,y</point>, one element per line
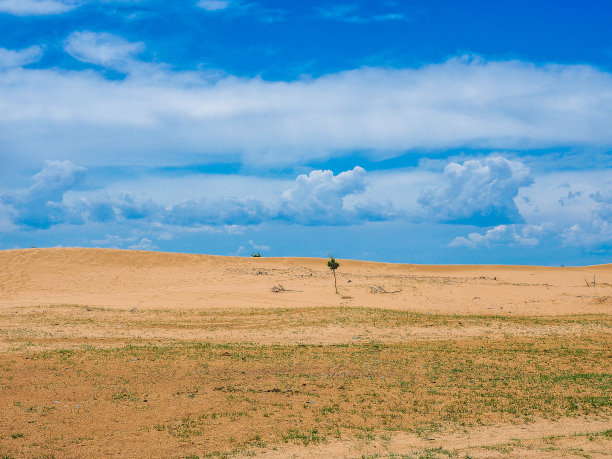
<point>416,131</point>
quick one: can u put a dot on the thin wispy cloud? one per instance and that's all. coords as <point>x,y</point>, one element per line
<point>18,58</point>
<point>103,49</point>
<point>213,5</point>
<point>351,13</point>
<point>37,7</point>
<point>238,9</point>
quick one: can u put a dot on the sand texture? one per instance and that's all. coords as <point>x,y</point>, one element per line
<point>113,353</point>
<point>126,279</point>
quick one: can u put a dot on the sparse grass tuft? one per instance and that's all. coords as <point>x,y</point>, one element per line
<point>306,438</point>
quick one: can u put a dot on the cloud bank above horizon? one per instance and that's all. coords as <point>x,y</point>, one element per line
<point>492,192</point>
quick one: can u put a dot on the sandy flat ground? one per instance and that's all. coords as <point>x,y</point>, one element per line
<point>128,353</point>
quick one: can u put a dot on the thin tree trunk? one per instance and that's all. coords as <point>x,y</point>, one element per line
<point>335,286</point>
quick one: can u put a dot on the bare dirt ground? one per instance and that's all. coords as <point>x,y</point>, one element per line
<point>139,354</point>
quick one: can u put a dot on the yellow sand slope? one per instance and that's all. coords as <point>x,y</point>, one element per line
<point>127,279</point>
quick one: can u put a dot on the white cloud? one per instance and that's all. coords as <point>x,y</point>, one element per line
<point>350,13</point>
<point>12,59</point>
<point>254,10</point>
<point>522,235</point>
<point>6,219</point>
<point>103,49</point>
<point>564,197</point>
<point>213,5</point>
<point>112,241</point>
<point>597,230</point>
<point>319,196</point>
<point>170,189</point>
<point>40,206</point>
<point>133,242</point>
<point>316,198</point>
<point>398,187</point>
<point>478,192</point>
<point>589,234</point>
<point>124,206</point>
<point>475,239</point>
<point>144,244</point>
<point>230,210</point>
<point>55,178</point>
<point>458,103</point>
<point>261,247</point>
<point>36,7</point>
<point>604,207</point>
<point>574,207</point>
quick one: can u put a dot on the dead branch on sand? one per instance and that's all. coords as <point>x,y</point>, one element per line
<point>380,289</point>
<point>280,289</point>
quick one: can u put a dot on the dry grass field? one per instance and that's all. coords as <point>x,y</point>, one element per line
<point>135,354</point>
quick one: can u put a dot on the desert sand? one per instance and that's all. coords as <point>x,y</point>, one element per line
<point>135,354</point>
<point>126,279</point>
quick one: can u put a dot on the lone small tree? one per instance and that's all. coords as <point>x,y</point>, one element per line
<point>333,265</point>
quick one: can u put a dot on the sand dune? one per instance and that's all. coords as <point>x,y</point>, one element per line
<point>128,279</point>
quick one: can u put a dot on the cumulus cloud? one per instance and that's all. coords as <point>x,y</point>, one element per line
<point>316,198</point>
<point>463,102</point>
<point>523,235</point>
<point>478,192</point>
<point>40,206</point>
<point>37,7</point>
<point>103,49</point>
<point>12,59</point>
